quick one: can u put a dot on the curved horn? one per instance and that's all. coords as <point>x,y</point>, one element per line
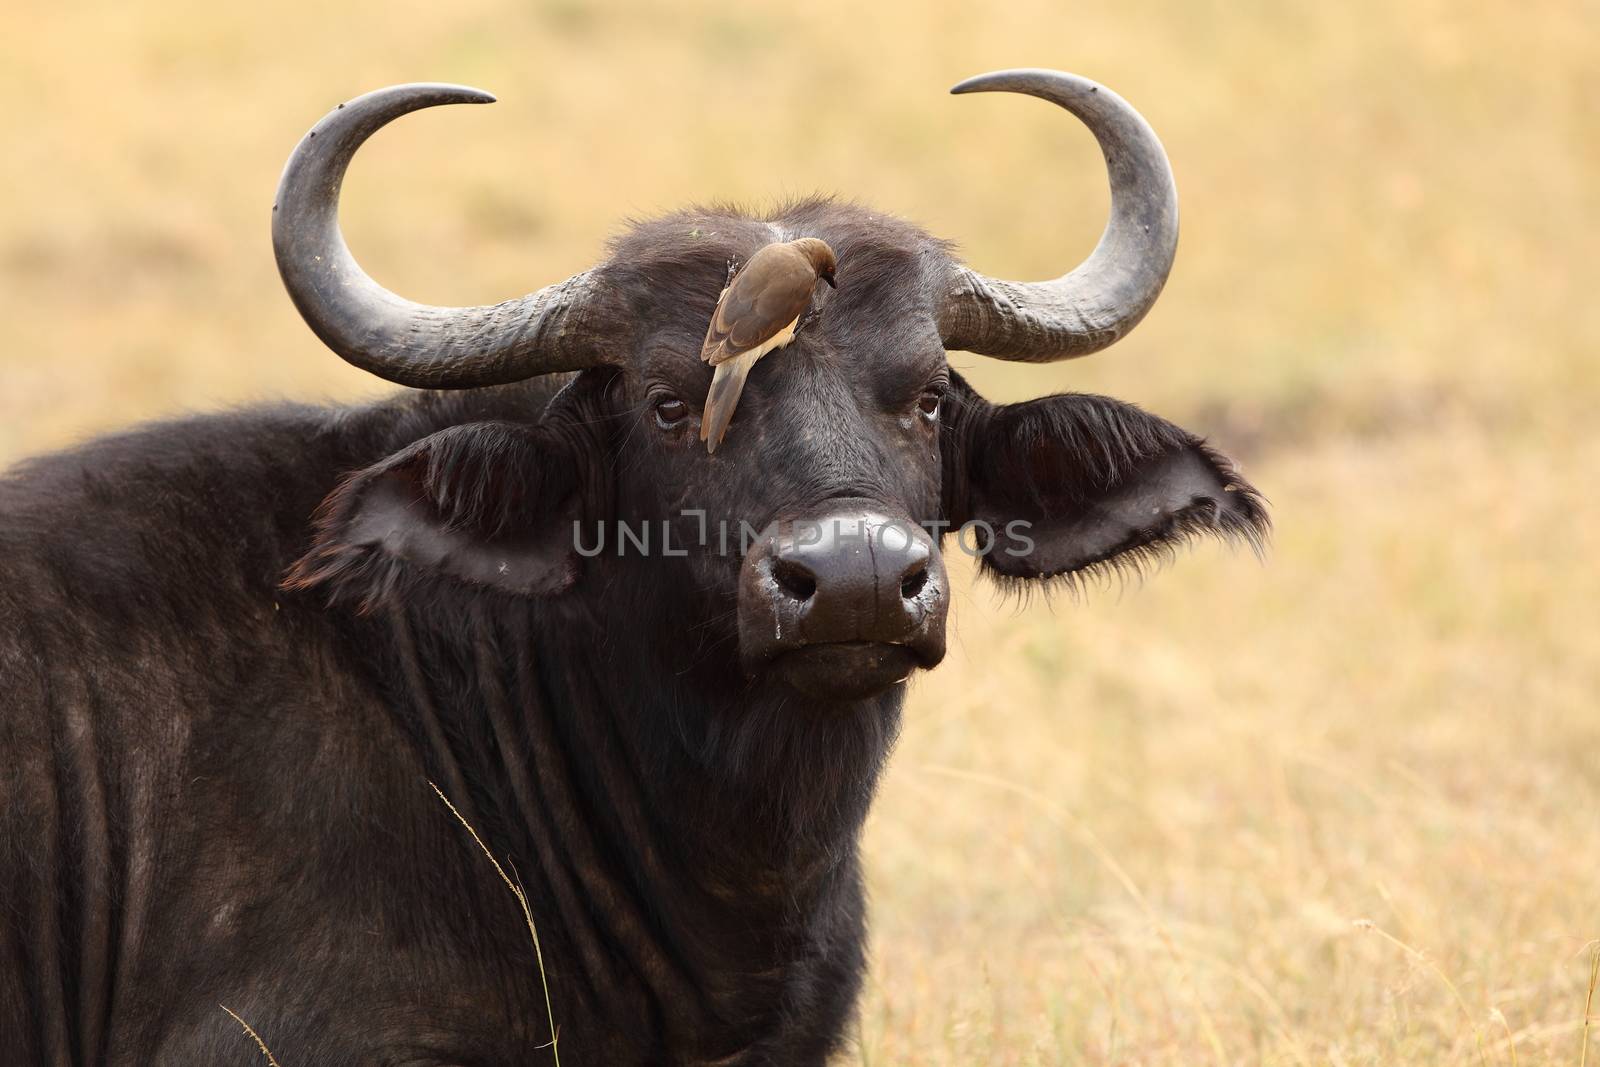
<point>372,328</point>
<point>1107,294</point>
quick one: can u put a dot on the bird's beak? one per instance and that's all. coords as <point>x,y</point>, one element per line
<point>831,283</point>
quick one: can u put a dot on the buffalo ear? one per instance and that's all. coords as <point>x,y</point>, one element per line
<point>488,504</point>
<point>1076,485</point>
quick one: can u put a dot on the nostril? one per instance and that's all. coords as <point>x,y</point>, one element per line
<point>914,581</point>
<point>799,583</point>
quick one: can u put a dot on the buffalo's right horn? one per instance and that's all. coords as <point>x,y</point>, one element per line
<point>1107,294</point>
<point>372,328</point>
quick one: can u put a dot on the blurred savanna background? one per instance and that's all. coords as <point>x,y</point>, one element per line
<point>1337,806</point>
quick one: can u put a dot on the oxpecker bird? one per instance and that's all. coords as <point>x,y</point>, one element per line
<point>757,313</point>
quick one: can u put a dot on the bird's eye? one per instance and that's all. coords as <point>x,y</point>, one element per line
<point>928,404</point>
<point>670,411</point>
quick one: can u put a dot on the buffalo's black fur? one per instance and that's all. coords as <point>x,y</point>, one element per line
<point>221,718</point>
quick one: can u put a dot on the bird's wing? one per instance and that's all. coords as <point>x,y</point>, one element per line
<point>770,292</point>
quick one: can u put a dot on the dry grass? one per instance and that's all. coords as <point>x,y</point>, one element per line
<point>533,931</point>
<point>1156,827</point>
<point>250,1032</point>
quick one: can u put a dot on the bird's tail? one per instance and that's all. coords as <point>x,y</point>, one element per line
<point>726,386</point>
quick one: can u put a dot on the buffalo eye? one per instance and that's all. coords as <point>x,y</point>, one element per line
<point>670,411</point>
<point>928,404</point>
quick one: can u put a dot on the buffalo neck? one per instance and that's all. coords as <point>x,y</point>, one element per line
<point>705,826</point>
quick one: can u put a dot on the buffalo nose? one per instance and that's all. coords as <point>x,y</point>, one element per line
<point>853,575</point>
<point>859,573</point>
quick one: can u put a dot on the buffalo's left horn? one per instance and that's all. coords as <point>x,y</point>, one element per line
<point>1107,294</point>
<point>372,328</point>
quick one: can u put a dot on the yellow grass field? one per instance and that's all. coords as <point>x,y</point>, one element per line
<point>1340,806</point>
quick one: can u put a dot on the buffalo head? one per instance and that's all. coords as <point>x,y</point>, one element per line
<point>810,542</point>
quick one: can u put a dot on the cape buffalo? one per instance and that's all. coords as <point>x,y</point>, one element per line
<point>236,650</point>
